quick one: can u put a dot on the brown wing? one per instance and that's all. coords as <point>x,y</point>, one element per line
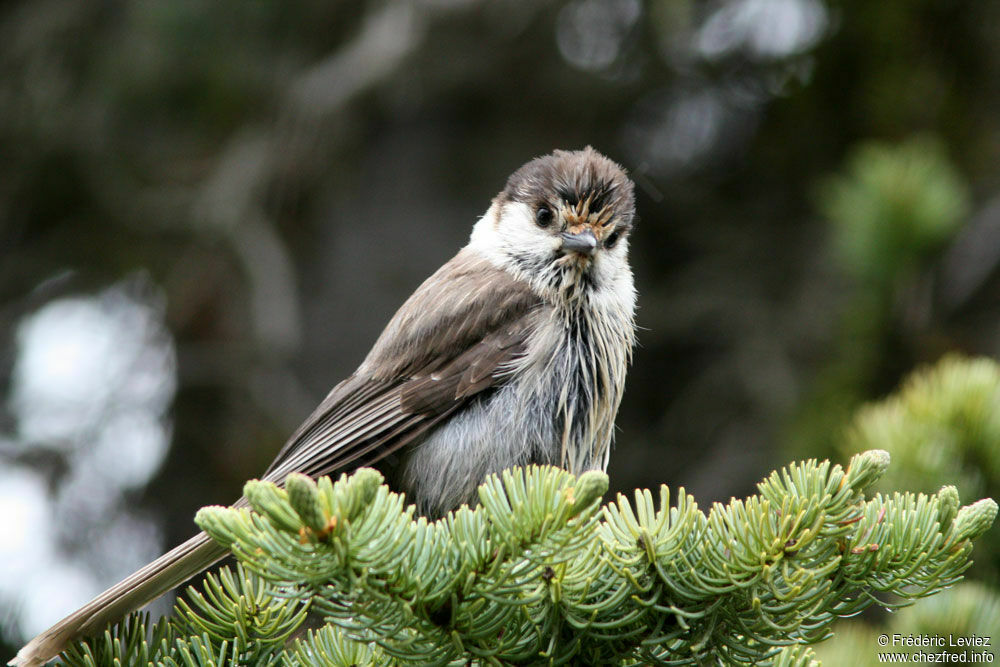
<point>456,336</point>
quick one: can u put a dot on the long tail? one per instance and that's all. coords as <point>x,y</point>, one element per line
<point>166,572</point>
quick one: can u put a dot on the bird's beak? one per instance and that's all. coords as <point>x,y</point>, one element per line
<point>582,242</point>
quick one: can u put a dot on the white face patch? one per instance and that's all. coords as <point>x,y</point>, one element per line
<point>508,236</point>
<point>509,230</point>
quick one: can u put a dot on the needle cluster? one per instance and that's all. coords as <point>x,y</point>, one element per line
<point>541,573</point>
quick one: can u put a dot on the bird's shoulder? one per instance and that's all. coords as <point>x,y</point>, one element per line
<point>468,301</point>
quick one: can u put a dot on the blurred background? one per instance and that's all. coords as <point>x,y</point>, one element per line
<point>209,210</point>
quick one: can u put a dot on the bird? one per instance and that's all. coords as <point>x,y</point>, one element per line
<point>514,352</point>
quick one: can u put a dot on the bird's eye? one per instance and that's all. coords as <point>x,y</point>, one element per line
<point>612,239</point>
<point>543,216</point>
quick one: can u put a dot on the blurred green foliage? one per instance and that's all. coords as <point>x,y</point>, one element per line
<point>890,213</point>
<point>967,610</point>
<point>893,210</point>
<point>941,427</point>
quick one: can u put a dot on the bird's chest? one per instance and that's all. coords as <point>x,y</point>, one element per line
<point>575,380</point>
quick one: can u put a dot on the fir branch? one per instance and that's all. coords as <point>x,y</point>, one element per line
<point>234,620</point>
<point>538,572</point>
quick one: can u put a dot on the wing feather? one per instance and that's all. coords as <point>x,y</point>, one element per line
<point>459,335</point>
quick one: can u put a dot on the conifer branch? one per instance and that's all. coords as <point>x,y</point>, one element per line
<point>539,572</point>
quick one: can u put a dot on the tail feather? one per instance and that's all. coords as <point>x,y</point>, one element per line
<point>166,572</point>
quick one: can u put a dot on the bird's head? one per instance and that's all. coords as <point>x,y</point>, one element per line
<point>562,223</point>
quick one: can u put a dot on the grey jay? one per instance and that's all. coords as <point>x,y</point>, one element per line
<point>513,352</point>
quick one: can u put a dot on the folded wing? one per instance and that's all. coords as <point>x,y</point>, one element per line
<point>459,335</point>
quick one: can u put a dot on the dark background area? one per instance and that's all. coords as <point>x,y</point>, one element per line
<point>246,191</point>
